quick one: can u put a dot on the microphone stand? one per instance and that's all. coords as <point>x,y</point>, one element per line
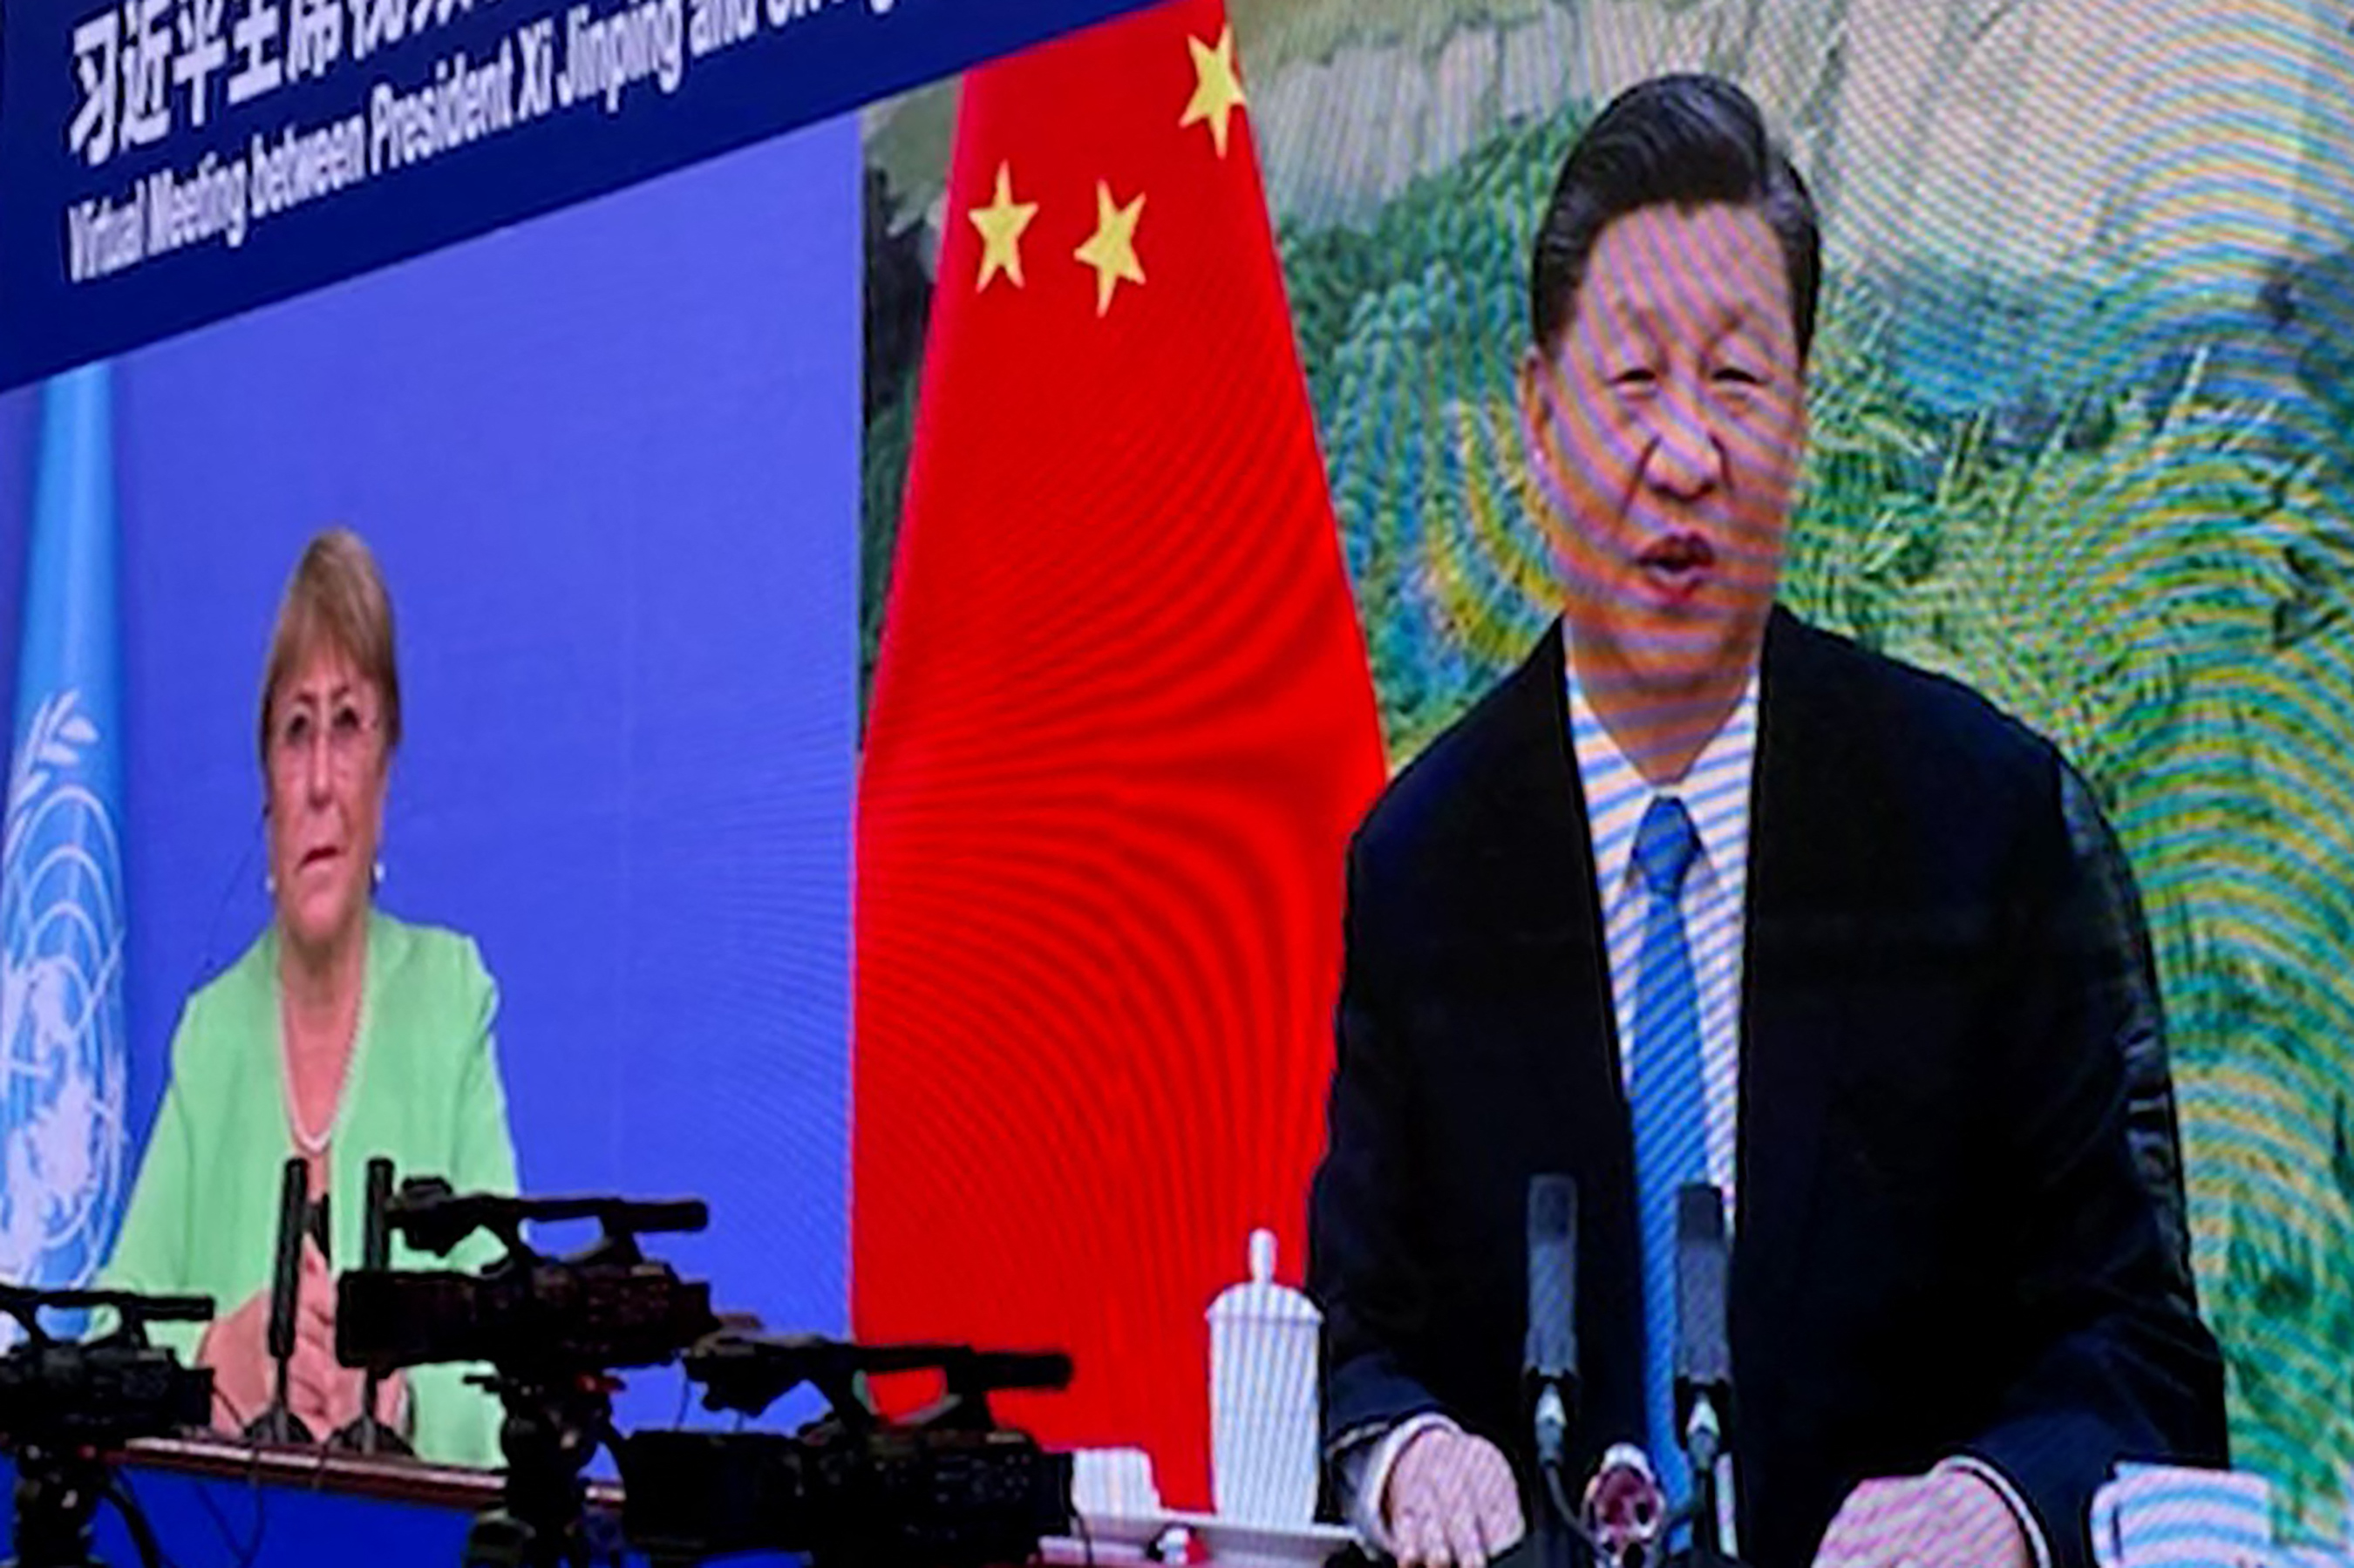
<point>1703,1441</point>
<point>1561,1538</point>
<point>364,1434</point>
<point>279,1425</point>
<point>1550,1362</point>
<point>1704,1369</point>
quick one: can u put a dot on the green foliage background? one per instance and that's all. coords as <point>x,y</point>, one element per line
<point>2149,567</point>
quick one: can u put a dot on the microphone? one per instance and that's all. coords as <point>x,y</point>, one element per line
<point>1704,1360</point>
<point>364,1433</point>
<point>279,1424</point>
<point>1704,1366</point>
<point>376,1234</point>
<point>1551,1356</point>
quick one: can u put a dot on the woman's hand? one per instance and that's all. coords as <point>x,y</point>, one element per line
<point>323,1391</point>
<point>236,1348</point>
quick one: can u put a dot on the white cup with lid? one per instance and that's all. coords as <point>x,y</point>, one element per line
<point>1263,1340</point>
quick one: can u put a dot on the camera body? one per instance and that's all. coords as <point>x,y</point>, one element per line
<point>592,1313</point>
<point>893,1496</point>
<point>98,1395</point>
<point>95,1395</point>
<point>607,1306</point>
<point>947,1488</point>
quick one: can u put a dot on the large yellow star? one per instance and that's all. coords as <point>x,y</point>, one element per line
<point>1217,90</point>
<point>1001,224</point>
<point>1111,249</point>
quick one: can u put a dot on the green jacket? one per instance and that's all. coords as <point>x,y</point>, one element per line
<point>423,1087</point>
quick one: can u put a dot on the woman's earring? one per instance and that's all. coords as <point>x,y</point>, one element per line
<point>380,874</point>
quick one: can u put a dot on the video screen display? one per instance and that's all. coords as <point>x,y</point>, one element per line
<point>605,463</point>
<point>901,592</point>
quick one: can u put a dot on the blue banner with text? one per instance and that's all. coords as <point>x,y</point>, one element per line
<point>167,163</point>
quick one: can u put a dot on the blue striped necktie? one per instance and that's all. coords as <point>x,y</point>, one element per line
<point>1670,1119</point>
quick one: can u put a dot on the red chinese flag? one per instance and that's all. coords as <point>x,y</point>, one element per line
<point>1122,729</point>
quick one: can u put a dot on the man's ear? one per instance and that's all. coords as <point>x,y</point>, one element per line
<point>1534,385</point>
<point>1545,459</point>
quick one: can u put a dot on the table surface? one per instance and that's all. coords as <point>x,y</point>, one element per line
<point>214,1502</point>
<point>217,1503</point>
<point>382,1477</point>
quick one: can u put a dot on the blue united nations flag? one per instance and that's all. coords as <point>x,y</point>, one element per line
<point>62,932</point>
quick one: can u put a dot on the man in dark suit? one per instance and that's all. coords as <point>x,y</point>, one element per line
<point>1701,893</point>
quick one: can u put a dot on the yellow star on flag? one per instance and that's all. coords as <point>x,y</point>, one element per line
<point>1217,90</point>
<point>1111,249</point>
<point>1001,224</point>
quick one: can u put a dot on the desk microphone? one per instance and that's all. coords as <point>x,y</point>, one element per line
<point>279,1424</point>
<point>1551,1360</point>
<point>364,1434</point>
<point>1703,1361</point>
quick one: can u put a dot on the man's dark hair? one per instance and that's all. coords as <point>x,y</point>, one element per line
<point>1684,141</point>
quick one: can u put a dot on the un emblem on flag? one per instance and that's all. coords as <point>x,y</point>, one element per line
<point>61,1005</point>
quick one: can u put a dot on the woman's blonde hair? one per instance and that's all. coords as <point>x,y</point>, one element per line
<point>336,599</point>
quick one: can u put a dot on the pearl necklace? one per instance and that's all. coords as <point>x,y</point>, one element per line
<point>306,1140</point>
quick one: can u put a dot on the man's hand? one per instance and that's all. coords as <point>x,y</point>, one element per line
<point>1451,1501</point>
<point>1946,1519</point>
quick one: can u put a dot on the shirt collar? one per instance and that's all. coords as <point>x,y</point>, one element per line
<point>1714,789</point>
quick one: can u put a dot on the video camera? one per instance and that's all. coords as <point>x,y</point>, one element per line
<point>552,1328</point>
<point>946,1488</point>
<point>65,1405</point>
<point>605,1307</point>
<point>97,1393</point>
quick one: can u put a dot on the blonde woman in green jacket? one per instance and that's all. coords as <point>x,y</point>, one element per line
<point>339,1035</point>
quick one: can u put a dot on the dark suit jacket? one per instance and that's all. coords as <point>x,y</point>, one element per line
<point>1941,1246</point>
